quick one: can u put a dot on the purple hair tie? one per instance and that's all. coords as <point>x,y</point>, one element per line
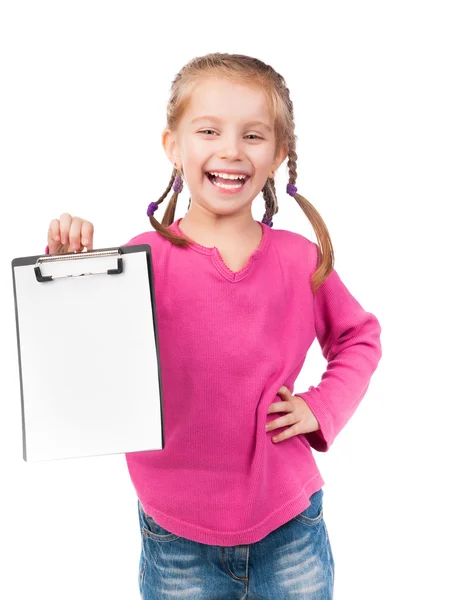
<point>151,208</point>
<point>177,187</point>
<point>267,221</point>
<point>178,184</point>
<point>291,189</point>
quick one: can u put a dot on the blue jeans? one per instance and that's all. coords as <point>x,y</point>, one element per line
<point>294,561</point>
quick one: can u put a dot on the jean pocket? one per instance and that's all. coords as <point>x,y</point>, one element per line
<point>313,513</point>
<point>152,530</point>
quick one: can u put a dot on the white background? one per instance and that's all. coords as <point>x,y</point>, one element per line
<point>84,87</point>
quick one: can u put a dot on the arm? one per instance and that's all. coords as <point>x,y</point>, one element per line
<point>350,341</point>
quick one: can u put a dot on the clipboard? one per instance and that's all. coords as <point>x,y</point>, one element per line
<point>88,351</point>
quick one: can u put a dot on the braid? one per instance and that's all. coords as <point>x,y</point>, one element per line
<point>292,164</point>
<point>270,197</point>
<point>169,214</point>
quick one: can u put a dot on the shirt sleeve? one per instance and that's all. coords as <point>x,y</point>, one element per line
<point>350,341</point>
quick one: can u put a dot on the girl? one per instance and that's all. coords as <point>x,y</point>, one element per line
<point>232,506</point>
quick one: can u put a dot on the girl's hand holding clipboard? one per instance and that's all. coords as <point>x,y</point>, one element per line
<point>69,234</point>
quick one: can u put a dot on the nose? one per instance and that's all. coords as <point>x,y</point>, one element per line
<point>231,148</point>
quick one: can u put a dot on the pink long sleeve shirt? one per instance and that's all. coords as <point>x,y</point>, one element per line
<point>228,341</point>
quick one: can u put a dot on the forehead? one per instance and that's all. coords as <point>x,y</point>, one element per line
<point>228,100</point>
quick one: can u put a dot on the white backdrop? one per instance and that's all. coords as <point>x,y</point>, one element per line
<point>84,87</point>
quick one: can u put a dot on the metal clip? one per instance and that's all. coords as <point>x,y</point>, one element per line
<point>82,255</point>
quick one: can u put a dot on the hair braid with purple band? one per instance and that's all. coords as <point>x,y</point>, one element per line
<point>178,186</point>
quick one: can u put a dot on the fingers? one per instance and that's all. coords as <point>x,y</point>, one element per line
<point>87,234</point>
<point>53,232</point>
<point>64,225</point>
<point>75,233</point>
<point>70,234</point>
<point>81,234</point>
<point>289,419</point>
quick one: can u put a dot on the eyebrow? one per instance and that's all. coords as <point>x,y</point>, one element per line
<point>212,118</point>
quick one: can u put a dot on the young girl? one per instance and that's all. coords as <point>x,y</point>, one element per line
<point>232,506</point>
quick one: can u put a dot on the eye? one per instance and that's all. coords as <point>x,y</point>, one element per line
<point>250,134</point>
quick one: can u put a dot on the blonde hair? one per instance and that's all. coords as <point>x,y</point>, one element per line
<point>239,68</point>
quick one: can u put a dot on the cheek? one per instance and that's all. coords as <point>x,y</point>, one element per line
<point>195,160</point>
<point>262,161</point>
<point>263,158</point>
<point>196,147</point>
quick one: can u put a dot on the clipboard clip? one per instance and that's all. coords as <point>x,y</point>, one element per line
<point>82,255</point>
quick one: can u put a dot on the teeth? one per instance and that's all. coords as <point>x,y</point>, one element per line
<point>228,176</point>
<point>227,186</point>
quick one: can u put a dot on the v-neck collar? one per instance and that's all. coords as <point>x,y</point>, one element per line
<point>217,258</point>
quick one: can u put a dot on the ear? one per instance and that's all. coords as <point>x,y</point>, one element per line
<point>170,146</point>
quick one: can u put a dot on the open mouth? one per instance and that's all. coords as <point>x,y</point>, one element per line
<point>227,184</point>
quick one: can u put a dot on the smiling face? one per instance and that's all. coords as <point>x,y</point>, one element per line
<point>226,126</point>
